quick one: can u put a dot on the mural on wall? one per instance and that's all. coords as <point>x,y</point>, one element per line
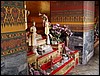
<point>12,16</point>
<point>79,16</point>
<point>67,16</point>
<point>88,36</point>
<point>13,42</point>
<point>13,38</point>
<point>68,13</point>
<point>19,4</point>
<point>88,45</point>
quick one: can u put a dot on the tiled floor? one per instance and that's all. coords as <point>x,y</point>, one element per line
<point>91,68</point>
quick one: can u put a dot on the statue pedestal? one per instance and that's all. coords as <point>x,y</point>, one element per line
<point>48,39</point>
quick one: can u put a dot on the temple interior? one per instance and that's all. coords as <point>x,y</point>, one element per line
<point>49,37</point>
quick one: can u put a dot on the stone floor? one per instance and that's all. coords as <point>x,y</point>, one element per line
<point>91,68</point>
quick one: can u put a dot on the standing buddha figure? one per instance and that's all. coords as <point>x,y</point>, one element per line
<point>33,30</point>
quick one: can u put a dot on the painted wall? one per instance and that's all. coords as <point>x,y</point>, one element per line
<point>35,7</point>
<point>69,13</point>
<point>79,16</point>
<point>38,6</point>
<point>88,36</point>
<point>72,14</point>
<point>13,39</point>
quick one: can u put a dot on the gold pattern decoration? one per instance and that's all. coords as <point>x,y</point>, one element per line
<point>19,27</point>
<point>12,19</point>
<point>11,41</point>
<point>7,52</point>
<point>75,23</point>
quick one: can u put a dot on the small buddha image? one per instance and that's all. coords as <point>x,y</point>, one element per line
<point>46,24</point>
<point>33,30</point>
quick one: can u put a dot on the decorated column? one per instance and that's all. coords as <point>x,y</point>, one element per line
<point>79,16</point>
<point>13,39</point>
